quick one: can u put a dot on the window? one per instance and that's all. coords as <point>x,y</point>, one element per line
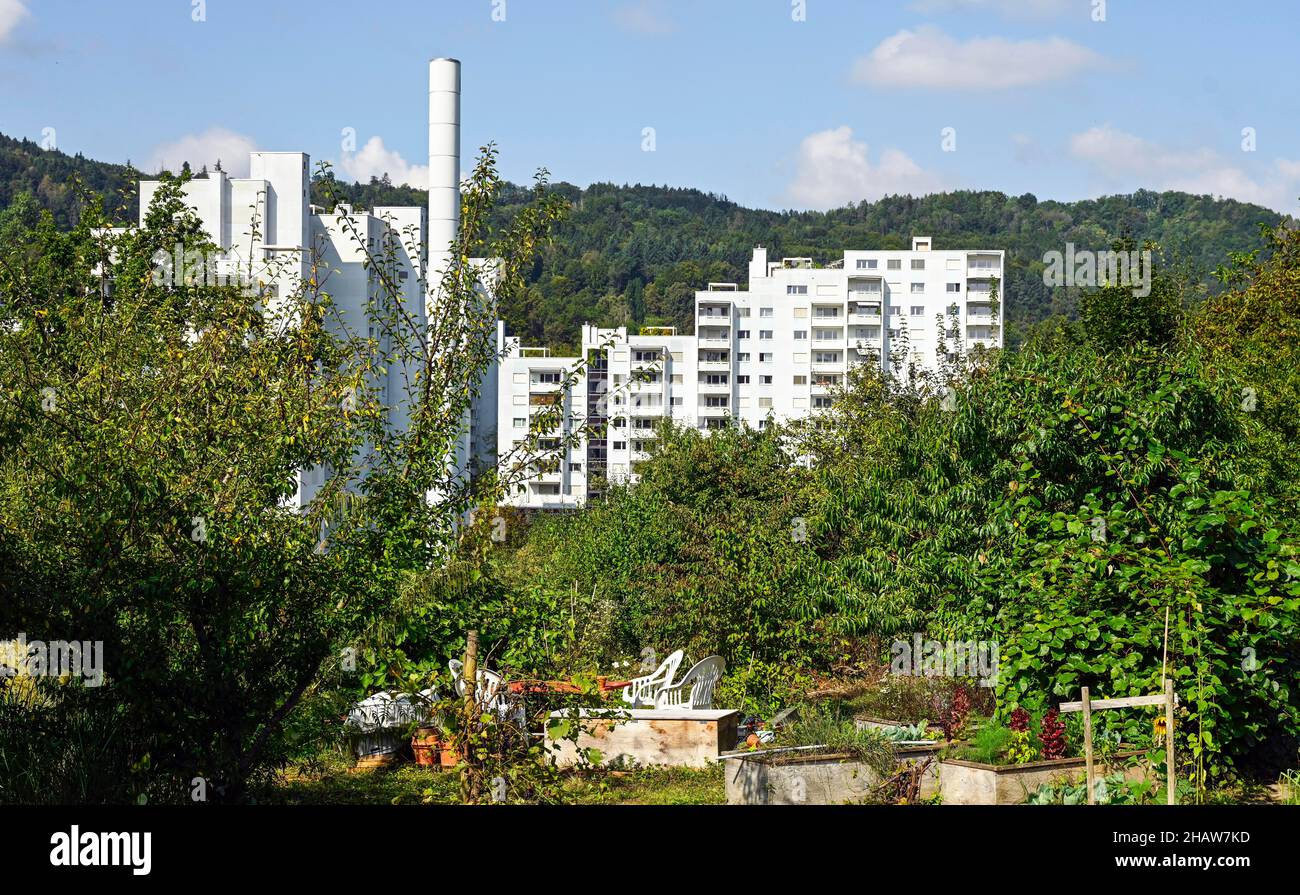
<point>765,312</point>
<point>765,380</point>
<point>742,334</point>
<point>800,312</point>
<point>801,335</point>
<point>894,264</point>
<point>918,288</point>
<point>765,335</point>
<point>521,422</point>
<point>801,380</point>
<point>821,402</point>
<point>954,287</point>
<point>764,402</point>
<point>575,467</point>
<point>742,380</point>
<point>548,378</point>
<point>765,358</point>
<point>620,445</point>
<point>866,264</point>
<point>918,310</point>
<point>796,290</point>
<point>918,264</point>
<point>895,310</point>
<point>742,312</point>
<point>743,357</point>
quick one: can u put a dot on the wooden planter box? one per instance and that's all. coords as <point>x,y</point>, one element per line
<point>973,783</point>
<point>792,777</point>
<point>650,737</point>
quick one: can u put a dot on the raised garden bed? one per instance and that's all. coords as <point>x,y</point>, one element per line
<point>807,776</point>
<point>974,783</point>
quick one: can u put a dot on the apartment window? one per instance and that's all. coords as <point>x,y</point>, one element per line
<point>918,288</point>
<point>548,378</point>
<point>743,357</point>
<point>918,310</point>
<point>765,335</point>
<point>677,402</point>
<point>801,380</point>
<point>743,334</point>
<point>918,264</point>
<point>764,402</point>
<point>742,312</point>
<point>800,312</point>
<point>866,264</point>
<point>821,402</point>
<point>765,312</point>
<point>796,290</point>
<point>521,422</point>
<point>954,287</point>
<point>801,335</point>
<point>677,379</point>
<point>765,358</point>
<point>765,380</point>
<point>620,445</point>
<point>895,310</point>
<point>575,467</point>
<point>894,264</point>
<point>742,380</point>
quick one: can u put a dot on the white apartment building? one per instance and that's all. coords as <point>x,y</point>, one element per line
<point>775,351</point>
<point>266,231</point>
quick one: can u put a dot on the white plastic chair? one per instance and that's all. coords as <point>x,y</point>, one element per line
<point>695,690</point>
<point>645,690</point>
<point>490,691</point>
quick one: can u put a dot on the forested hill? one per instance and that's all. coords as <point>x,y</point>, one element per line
<point>636,254</point>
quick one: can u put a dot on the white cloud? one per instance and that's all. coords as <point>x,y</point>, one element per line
<point>833,170</point>
<point>1124,161</point>
<point>374,159</point>
<point>927,57</point>
<point>1010,9</point>
<point>213,145</point>
<point>644,17</point>
<point>12,12</point>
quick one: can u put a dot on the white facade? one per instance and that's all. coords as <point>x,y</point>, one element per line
<point>266,231</point>
<point>775,351</point>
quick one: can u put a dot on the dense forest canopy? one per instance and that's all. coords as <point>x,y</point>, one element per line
<point>635,255</point>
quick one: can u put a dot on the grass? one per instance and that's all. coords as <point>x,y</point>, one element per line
<point>332,782</point>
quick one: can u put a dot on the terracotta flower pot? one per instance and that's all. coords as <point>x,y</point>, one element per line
<point>426,744</point>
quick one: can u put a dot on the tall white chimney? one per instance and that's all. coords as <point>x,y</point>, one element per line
<point>444,165</point>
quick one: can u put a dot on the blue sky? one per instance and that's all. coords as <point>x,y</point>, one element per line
<point>774,103</point>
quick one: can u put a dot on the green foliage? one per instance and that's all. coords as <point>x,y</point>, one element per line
<point>153,433</point>
<point>825,724</point>
<point>1113,789</point>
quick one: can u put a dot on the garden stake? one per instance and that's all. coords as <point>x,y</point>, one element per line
<point>1087,742</point>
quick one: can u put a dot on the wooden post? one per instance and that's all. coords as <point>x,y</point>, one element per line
<point>1171,790</point>
<point>1087,743</point>
<point>469,777</point>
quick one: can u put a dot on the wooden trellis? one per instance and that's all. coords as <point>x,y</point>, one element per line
<point>1167,699</point>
